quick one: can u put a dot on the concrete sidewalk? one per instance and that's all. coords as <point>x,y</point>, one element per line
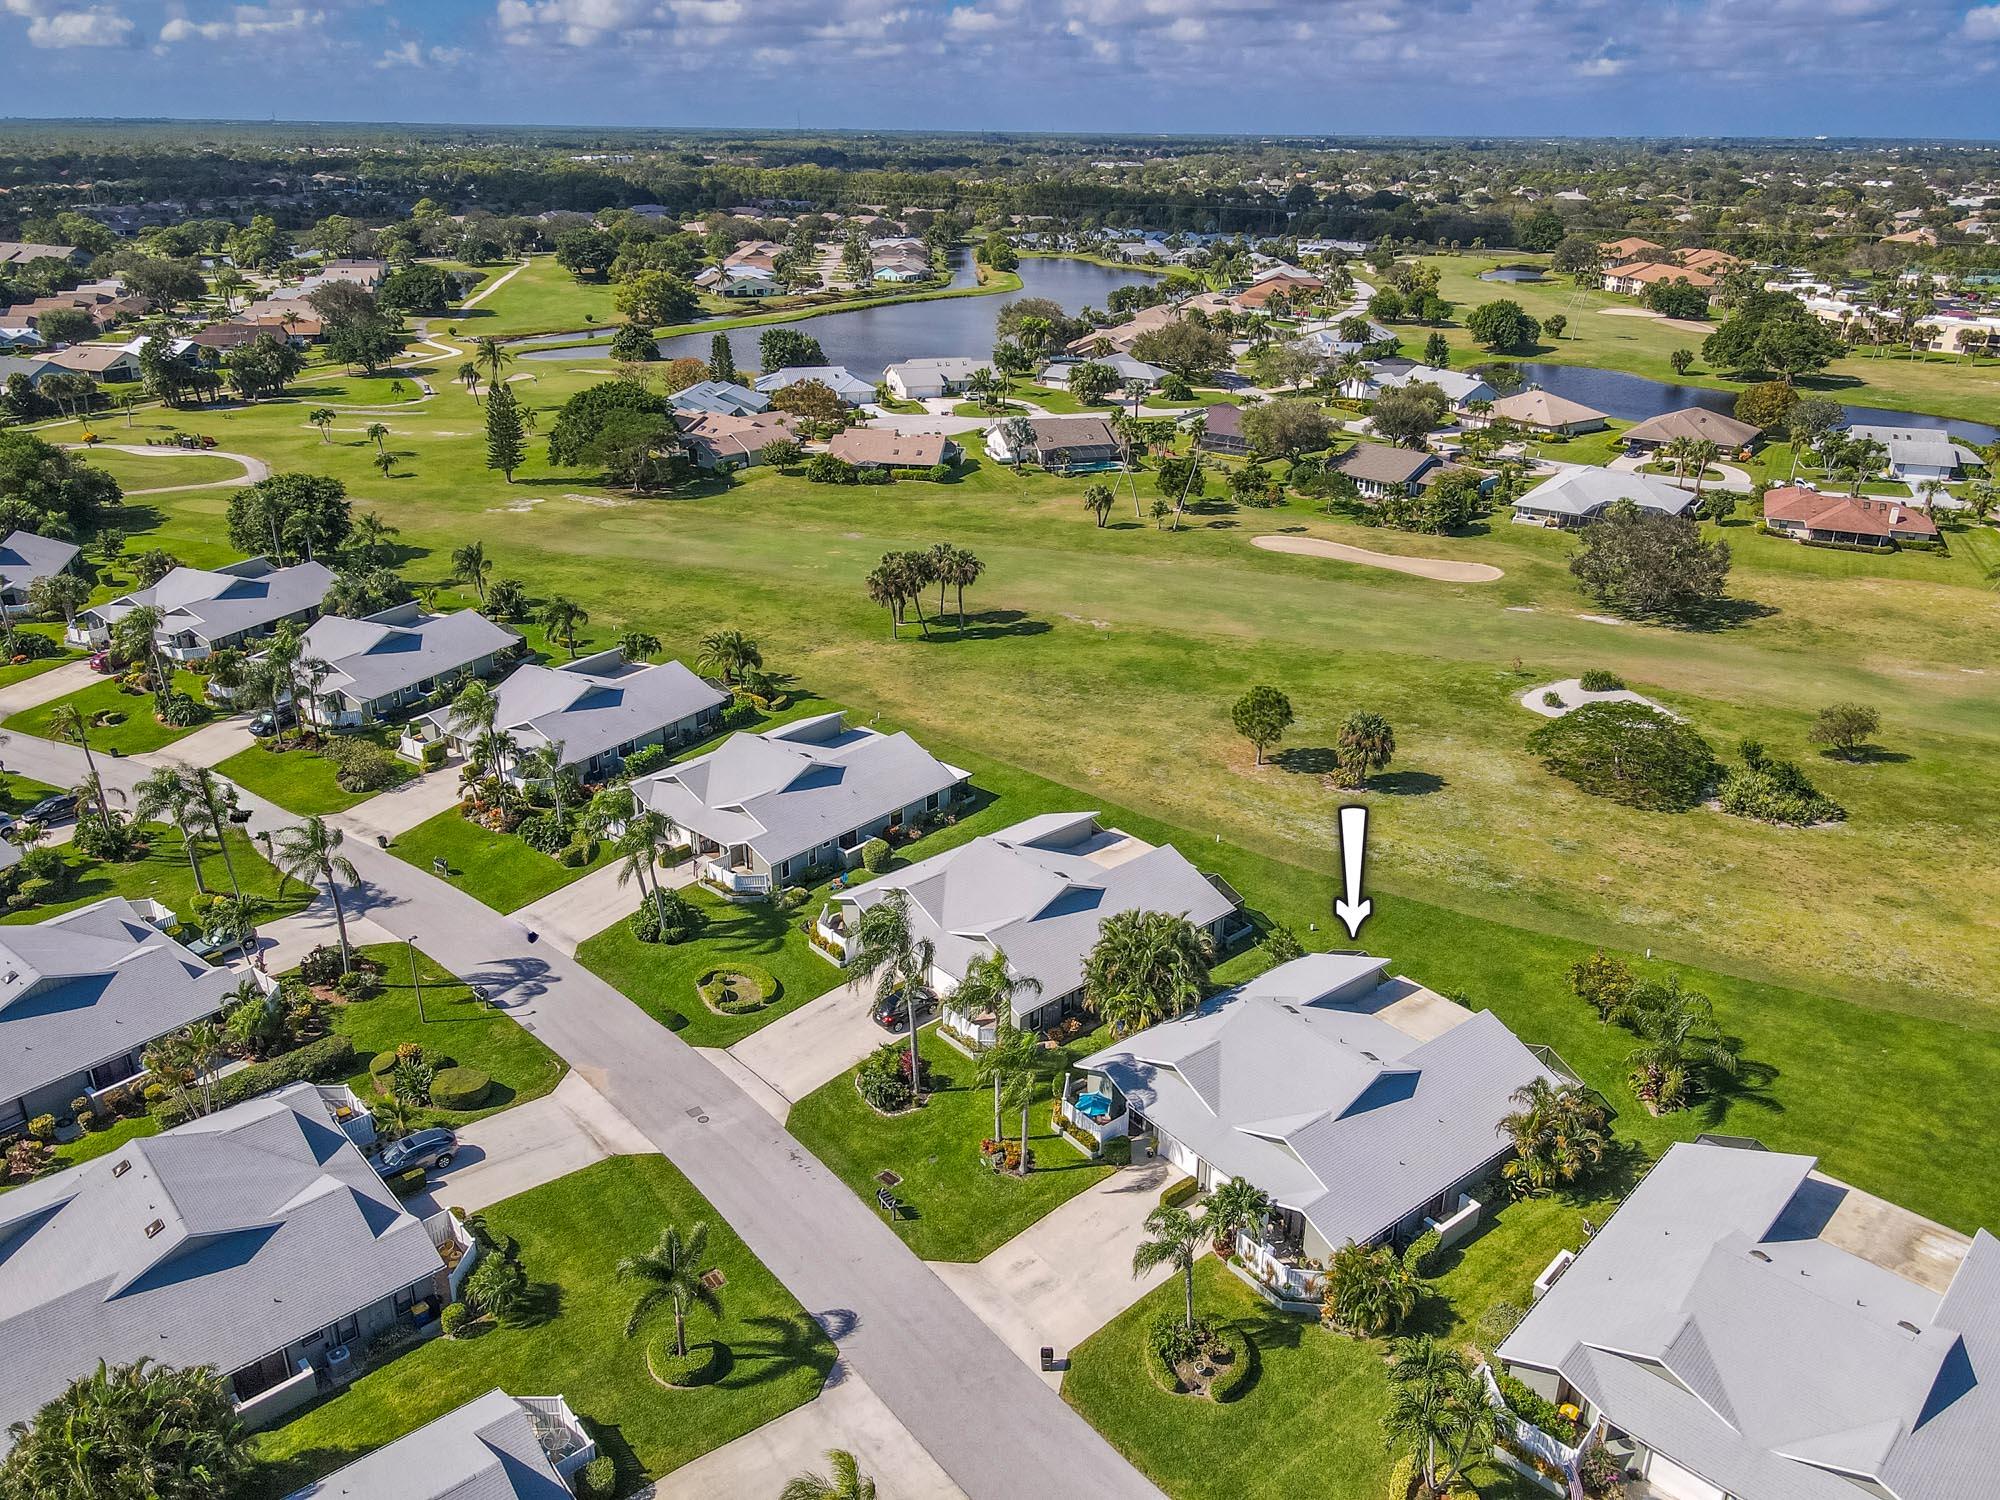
<point>46,687</point>
<point>402,808</point>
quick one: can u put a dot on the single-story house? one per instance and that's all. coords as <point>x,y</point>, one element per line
<point>1632,279</point>
<point>847,386</point>
<point>930,379</point>
<point>1918,453</point>
<point>719,440</point>
<point>1365,1107</point>
<point>1119,338</point>
<point>206,609</point>
<point>1328,344</point>
<point>1856,520</point>
<point>1460,387</point>
<point>759,255</point>
<point>723,397</point>
<point>111,363</point>
<point>30,367</point>
<point>1379,470</point>
<point>1578,495</point>
<point>20,252</point>
<point>1695,422</point>
<point>1261,292</point>
<point>1744,1325</point>
<point>897,269</point>
<point>19,333</point>
<point>1128,370</point>
<point>385,662</point>
<point>1222,429</point>
<point>497,1447</point>
<point>599,708</point>
<point>760,810</point>
<point>220,338</point>
<point>1038,892</point>
<point>1613,252</point>
<point>885,448</point>
<point>748,281</point>
<point>256,1240</point>
<point>1062,445</point>
<point>1543,412</point>
<point>85,994</point>
<point>26,557</point>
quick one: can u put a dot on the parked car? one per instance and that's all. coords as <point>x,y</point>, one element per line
<point>420,1148</point>
<point>222,950</point>
<point>271,720</point>
<point>51,809</point>
<point>891,1013</point>
<point>100,661</point>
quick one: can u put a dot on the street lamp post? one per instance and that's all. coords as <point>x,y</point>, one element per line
<point>416,979</point>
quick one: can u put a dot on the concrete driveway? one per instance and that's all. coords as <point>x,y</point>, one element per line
<point>1060,1280</point>
<point>819,1041</point>
<point>207,746</point>
<point>585,907</point>
<point>564,1131</point>
<point>284,942</point>
<point>402,808</point>
<point>46,687</point>
<point>846,1414</point>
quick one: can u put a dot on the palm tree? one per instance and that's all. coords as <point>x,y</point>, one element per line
<point>67,720</point>
<point>1173,1238</point>
<point>135,634</point>
<point>470,564</point>
<point>369,536</point>
<point>889,953</point>
<point>639,645</point>
<point>1146,966</point>
<point>1239,1204</point>
<point>474,711</point>
<point>845,1482</point>
<point>385,462</point>
<point>1370,1290</point>
<point>321,417</point>
<point>561,619</point>
<point>170,1434</point>
<point>1437,1408</point>
<point>1366,743</point>
<point>1097,500</point>
<point>548,763</point>
<point>218,798</point>
<point>311,852</point>
<point>671,1274</point>
<point>170,790</point>
<point>1558,1135</point>
<point>491,356</point>
<point>641,842</point>
<point>1681,1042</point>
<point>228,282</point>
<point>728,653</point>
<point>1013,1051</point>
<point>960,570</point>
<point>378,434</point>
<point>468,376</point>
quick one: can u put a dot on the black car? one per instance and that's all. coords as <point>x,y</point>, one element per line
<point>420,1148</point>
<point>51,809</point>
<point>271,720</point>
<point>891,1014</point>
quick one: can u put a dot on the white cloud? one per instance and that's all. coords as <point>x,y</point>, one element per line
<point>98,26</point>
<point>414,54</point>
<point>1601,67</point>
<point>243,23</point>
<point>1982,24</point>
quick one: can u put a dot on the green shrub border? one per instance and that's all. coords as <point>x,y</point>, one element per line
<point>329,1057</point>
<point>701,1365</point>
<point>709,986</point>
<point>1176,1193</point>
<point>460,1088</point>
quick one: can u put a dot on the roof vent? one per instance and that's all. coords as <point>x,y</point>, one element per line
<point>1760,1255</point>
<point>155,1227</point>
<point>1906,1323</point>
<point>122,1168</point>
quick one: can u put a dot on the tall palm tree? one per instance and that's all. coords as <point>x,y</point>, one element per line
<point>1013,1051</point>
<point>1558,1133</point>
<point>671,1274</point>
<point>1146,966</point>
<point>561,619</point>
<point>67,720</point>
<point>1437,1409</point>
<point>378,434</point>
<point>369,538</point>
<point>960,570</point>
<point>470,564</point>
<point>640,843</point>
<point>135,634</point>
<point>491,356</point>
<point>1365,744</point>
<point>322,417</point>
<point>728,654</point>
<point>218,797</point>
<point>889,953</point>
<point>547,763</point>
<point>468,376</point>
<point>1239,1204</point>
<point>311,852</point>
<point>844,1482</point>
<point>1173,1238</point>
<point>170,790</point>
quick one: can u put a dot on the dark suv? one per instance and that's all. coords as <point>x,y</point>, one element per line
<point>420,1148</point>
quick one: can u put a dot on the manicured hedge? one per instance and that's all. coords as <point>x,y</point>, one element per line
<point>459,1088</point>
<point>709,987</point>
<point>1178,1192</point>
<point>700,1365</point>
<point>329,1057</point>
<point>1229,1377</point>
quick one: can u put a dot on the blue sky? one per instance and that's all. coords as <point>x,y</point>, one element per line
<point>1573,67</point>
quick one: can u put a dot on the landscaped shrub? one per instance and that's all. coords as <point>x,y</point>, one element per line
<point>824,468</point>
<point>875,856</point>
<point>434,754</point>
<point>361,765</point>
<point>646,760</point>
<point>1423,1251</point>
<point>941,473</point>
<point>1598,680</point>
<point>1180,1191</point>
<point>27,1158</point>
<point>407,1182</point>
<point>1775,791</point>
<point>884,1078</point>
<point>459,1088</point>
<point>758,989</point>
<point>181,711</point>
<point>358,984</point>
<point>454,1318</point>
<point>380,1066</point>
<point>1552,699</point>
<point>1231,1356</point>
<point>1629,753</point>
<point>1118,1151</point>
<point>596,1480</point>
<point>316,1062</point>
<point>498,1285</point>
<point>1402,1478</point>
<point>1533,1407</point>
<point>43,1127</point>
<point>540,833</point>
<point>86,1120</point>
<point>576,856</point>
<point>701,1364</point>
<point>320,967</point>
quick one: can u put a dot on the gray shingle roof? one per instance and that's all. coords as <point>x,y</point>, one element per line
<point>1039,891</point>
<point>24,557</point>
<point>836,378</point>
<point>595,703</point>
<point>789,790</point>
<point>1583,492</point>
<point>1725,1317</point>
<point>90,985</point>
<point>484,1450</point>
<point>383,654</point>
<point>271,1227</point>
<point>1335,1113</point>
<point>1916,447</point>
<point>1693,422</point>
<point>211,604</point>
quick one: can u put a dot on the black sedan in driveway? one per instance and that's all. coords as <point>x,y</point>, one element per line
<point>892,1015</point>
<point>429,1149</point>
<point>51,809</point>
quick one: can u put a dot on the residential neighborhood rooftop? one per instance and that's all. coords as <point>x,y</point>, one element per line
<point>215,603</point>
<point>495,1447</point>
<point>386,653</point>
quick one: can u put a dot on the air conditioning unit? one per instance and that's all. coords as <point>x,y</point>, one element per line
<point>340,1363</point>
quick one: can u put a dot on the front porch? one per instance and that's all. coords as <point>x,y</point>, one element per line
<point>1093,1106</point>
<point>737,882</point>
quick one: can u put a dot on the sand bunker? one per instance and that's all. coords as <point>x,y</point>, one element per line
<point>1422,567</point>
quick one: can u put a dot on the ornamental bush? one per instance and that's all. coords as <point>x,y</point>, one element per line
<point>316,1062</point>
<point>597,1480</point>
<point>1629,753</point>
<point>1599,680</point>
<point>460,1088</point>
<point>700,1365</point>
<point>320,967</point>
<point>454,1318</point>
<point>1230,1353</point>
<point>645,760</point>
<point>181,711</point>
<point>875,856</point>
<point>758,989</point>
<point>361,765</point>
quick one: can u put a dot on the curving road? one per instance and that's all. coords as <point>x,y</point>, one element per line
<point>980,1412</point>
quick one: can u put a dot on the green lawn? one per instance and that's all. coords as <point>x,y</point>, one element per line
<point>139,732</point>
<point>497,868</point>
<point>169,469</point>
<point>1309,1421</point>
<point>102,1142</point>
<point>301,780</point>
<point>19,793</point>
<point>22,671</point>
<point>164,875</point>
<point>660,979</point>
<point>454,1025</point>
<point>572,1233</point>
<point>957,1207</point>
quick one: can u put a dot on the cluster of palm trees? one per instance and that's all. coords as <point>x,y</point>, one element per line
<point>489,357</point>
<point>1560,1133</point>
<point>901,579</point>
<point>1146,967</point>
<point>1686,453</point>
<point>1438,1410</point>
<point>1174,1236</point>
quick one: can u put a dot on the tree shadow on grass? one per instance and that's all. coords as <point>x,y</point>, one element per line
<point>1307,760</point>
<point>988,624</point>
<point>1720,614</point>
<point>1749,1085</point>
<point>775,1348</point>
<point>1866,755</point>
<point>543,1303</point>
<point>1407,783</point>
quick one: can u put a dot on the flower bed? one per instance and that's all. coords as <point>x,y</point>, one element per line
<point>737,990</point>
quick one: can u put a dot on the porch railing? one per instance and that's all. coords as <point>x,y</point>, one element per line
<point>559,1432</point>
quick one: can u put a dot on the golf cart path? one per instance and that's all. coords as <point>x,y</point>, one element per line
<point>254,469</point>
<point>1438,568</point>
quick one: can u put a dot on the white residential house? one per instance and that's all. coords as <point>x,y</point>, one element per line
<point>1461,388</point>
<point>205,610</point>
<point>256,1240</point>
<point>1365,1107</point>
<point>849,387</point>
<point>932,379</point>
<point>1039,892</point>
<point>385,662</point>
<point>1577,496</point>
<point>495,1447</point>
<point>761,810</point>
<point>599,708</point>
<point>25,558</point>
<point>1745,1327</point>
<point>1128,370</point>
<point>1918,453</point>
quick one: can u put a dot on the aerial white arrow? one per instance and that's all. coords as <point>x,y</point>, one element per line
<point>1353,908</point>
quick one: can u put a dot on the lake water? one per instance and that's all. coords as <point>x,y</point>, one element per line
<point>1512,273</point>
<point>1634,398</point>
<point>867,340</point>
